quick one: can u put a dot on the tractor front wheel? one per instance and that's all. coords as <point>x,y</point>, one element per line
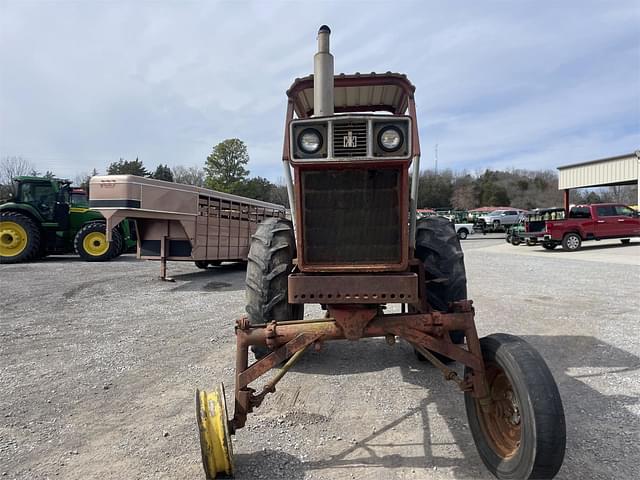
<point>19,238</point>
<point>519,430</point>
<point>92,245</point>
<point>215,433</point>
<point>270,261</point>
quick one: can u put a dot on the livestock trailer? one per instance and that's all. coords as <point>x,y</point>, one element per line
<point>181,222</point>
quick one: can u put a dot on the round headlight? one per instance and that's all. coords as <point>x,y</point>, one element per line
<point>390,138</point>
<point>310,140</point>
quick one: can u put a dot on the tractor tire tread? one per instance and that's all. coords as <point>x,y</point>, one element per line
<point>112,252</point>
<point>34,238</point>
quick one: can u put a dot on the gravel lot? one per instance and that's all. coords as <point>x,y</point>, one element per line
<point>99,364</point>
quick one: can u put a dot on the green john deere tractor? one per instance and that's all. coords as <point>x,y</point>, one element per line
<point>47,216</point>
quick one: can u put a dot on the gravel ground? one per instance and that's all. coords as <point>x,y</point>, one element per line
<point>99,364</point>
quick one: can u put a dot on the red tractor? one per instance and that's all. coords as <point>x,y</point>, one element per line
<point>355,246</point>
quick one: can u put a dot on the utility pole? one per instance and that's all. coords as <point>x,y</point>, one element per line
<point>436,171</point>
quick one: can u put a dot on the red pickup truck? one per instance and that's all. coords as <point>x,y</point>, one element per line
<point>592,222</point>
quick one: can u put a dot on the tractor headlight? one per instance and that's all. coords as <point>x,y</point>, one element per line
<point>390,138</point>
<point>310,140</point>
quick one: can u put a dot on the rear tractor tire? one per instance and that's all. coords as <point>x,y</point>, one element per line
<point>20,239</point>
<point>270,262</point>
<point>521,434</point>
<point>438,247</point>
<point>92,245</point>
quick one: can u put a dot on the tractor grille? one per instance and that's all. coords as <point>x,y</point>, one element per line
<point>350,139</point>
<point>351,217</point>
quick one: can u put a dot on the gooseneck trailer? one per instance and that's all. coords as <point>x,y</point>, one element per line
<point>356,247</point>
<point>181,222</point>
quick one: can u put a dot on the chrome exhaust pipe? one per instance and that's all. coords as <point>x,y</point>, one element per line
<point>323,76</point>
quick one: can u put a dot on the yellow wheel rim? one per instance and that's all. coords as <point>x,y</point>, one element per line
<point>95,244</point>
<point>13,239</point>
<point>215,439</point>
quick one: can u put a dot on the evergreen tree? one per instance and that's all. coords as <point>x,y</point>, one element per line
<point>127,167</point>
<point>163,172</point>
<point>225,166</point>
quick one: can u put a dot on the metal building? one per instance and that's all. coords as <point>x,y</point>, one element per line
<point>604,172</point>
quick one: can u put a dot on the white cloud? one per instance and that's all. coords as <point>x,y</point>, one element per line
<point>513,85</point>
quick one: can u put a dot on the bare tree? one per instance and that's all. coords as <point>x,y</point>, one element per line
<point>82,179</point>
<point>188,175</point>
<point>12,166</point>
<point>627,194</point>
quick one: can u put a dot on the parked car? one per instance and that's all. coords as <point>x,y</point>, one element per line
<point>500,219</point>
<point>464,230</point>
<point>592,222</point>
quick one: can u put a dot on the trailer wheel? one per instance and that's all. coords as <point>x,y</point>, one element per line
<point>549,246</point>
<point>20,239</point>
<point>463,233</point>
<point>515,240</point>
<point>201,264</point>
<point>571,242</point>
<point>270,261</point>
<point>91,243</point>
<point>521,433</point>
<point>438,247</point>
<point>625,241</point>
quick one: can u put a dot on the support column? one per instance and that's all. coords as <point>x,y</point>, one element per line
<point>164,250</point>
<point>638,170</point>
<point>566,202</point>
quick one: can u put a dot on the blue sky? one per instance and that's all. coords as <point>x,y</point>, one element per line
<point>499,84</point>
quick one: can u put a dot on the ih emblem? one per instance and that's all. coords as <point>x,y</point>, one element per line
<point>350,140</point>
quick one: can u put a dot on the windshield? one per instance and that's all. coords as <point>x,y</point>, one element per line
<point>79,199</point>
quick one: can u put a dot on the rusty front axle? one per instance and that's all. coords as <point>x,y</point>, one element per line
<point>428,332</point>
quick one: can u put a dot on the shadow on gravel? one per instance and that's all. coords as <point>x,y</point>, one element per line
<point>594,246</point>
<point>268,464</point>
<point>225,278</point>
<point>602,429</point>
<point>127,257</point>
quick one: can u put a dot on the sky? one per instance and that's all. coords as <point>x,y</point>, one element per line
<point>528,84</point>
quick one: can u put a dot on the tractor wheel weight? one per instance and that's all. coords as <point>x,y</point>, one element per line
<point>215,434</point>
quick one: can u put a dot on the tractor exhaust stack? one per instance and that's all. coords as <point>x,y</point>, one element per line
<point>323,76</point>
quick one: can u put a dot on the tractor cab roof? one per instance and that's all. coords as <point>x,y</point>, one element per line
<point>369,92</point>
<point>31,178</point>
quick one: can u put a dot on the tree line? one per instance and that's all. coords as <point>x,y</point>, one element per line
<point>516,188</point>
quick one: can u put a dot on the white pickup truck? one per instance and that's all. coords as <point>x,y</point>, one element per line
<point>463,230</point>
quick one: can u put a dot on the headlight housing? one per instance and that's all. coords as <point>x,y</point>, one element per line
<point>390,138</point>
<point>310,140</point>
